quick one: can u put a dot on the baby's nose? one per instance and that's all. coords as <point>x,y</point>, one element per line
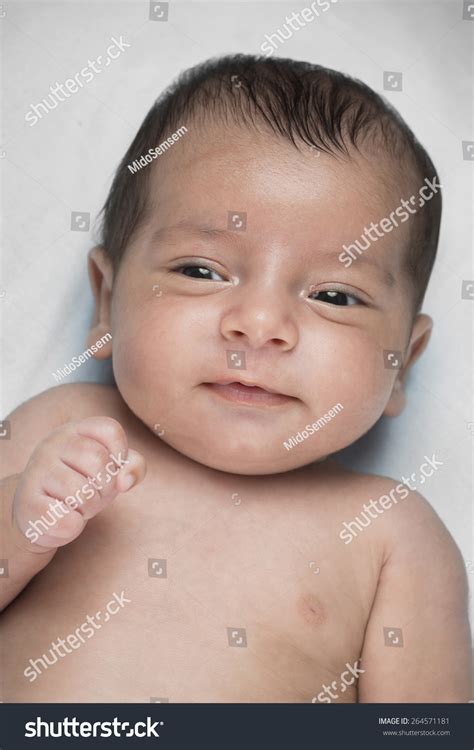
<point>257,325</point>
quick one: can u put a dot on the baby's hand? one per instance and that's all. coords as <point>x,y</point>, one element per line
<point>73,474</point>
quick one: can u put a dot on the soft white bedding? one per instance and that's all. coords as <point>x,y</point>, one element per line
<point>64,163</point>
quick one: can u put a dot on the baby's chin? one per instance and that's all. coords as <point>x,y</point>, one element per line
<point>248,463</point>
<point>254,459</point>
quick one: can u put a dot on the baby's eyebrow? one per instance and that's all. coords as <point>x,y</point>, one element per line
<point>387,276</point>
<point>191,228</point>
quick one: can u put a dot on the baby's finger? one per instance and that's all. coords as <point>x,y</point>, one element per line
<point>84,455</point>
<point>55,524</point>
<point>47,519</point>
<point>107,431</point>
<point>60,482</point>
<point>119,477</point>
<point>133,473</point>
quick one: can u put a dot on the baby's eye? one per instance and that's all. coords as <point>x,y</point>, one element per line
<point>198,272</point>
<point>335,297</point>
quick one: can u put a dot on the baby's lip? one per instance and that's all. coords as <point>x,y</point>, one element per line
<point>246,393</point>
<point>250,384</point>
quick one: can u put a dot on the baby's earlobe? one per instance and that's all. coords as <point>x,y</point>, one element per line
<point>396,402</point>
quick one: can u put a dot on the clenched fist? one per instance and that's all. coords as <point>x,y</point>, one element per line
<point>72,475</point>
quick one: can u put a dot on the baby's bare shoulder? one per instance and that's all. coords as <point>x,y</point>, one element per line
<point>359,488</point>
<point>32,421</point>
<point>67,402</point>
<point>394,513</point>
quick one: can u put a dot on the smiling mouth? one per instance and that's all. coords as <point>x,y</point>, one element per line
<point>251,395</point>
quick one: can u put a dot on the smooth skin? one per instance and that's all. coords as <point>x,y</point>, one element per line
<point>263,291</point>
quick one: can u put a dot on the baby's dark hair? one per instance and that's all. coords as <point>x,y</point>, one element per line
<point>304,103</point>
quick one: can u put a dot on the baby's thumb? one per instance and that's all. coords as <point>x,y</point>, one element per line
<point>133,473</point>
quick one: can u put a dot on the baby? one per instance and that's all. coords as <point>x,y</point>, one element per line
<point>187,535</point>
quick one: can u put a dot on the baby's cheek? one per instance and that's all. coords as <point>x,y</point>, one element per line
<point>360,382</point>
<point>138,361</point>
<point>149,361</point>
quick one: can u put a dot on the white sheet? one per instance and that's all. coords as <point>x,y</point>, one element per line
<point>65,163</point>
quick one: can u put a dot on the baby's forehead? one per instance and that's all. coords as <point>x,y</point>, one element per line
<point>257,170</point>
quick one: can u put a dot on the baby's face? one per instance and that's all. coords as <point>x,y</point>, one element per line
<point>203,299</point>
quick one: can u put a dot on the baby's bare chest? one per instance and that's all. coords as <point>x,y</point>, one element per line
<point>177,596</point>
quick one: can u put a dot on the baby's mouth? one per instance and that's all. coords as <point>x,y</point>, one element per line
<point>248,394</point>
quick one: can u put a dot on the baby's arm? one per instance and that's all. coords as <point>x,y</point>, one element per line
<point>422,592</point>
<point>72,461</point>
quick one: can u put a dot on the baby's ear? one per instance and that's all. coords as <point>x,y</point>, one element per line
<point>419,338</point>
<point>101,279</point>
